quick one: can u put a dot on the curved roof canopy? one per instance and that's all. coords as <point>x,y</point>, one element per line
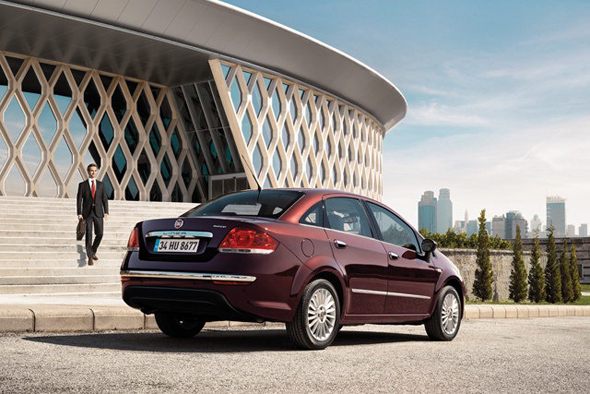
<point>170,42</point>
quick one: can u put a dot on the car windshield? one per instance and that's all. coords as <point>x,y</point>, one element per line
<point>267,204</point>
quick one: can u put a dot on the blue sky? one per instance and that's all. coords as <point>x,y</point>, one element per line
<point>498,94</point>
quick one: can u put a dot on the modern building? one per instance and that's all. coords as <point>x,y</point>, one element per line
<point>444,211</point>
<point>427,212</point>
<point>583,230</point>
<point>499,226</point>
<point>556,215</point>
<point>471,228</point>
<point>571,230</point>
<point>181,100</point>
<point>512,220</point>
<point>536,226</point>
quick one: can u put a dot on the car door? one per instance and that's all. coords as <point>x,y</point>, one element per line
<point>411,280</point>
<point>360,255</point>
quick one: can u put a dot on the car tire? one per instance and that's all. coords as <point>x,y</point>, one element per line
<point>445,321</point>
<point>179,326</point>
<point>316,320</point>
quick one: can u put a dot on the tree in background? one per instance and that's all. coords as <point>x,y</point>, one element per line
<point>453,240</point>
<point>552,272</point>
<point>484,275</point>
<point>518,284</point>
<point>576,286</point>
<point>567,293</point>
<point>536,278</point>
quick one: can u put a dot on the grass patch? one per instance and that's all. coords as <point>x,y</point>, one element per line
<point>586,288</point>
<point>584,300</point>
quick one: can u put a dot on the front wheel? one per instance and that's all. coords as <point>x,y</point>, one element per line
<point>179,326</point>
<point>316,320</point>
<point>444,323</point>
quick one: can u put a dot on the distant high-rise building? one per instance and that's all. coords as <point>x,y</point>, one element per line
<point>536,226</point>
<point>472,227</point>
<point>571,230</point>
<point>459,226</point>
<point>499,226</point>
<point>427,212</point>
<point>583,230</point>
<point>513,219</point>
<point>444,211</point>
<point>489,227</point>
<point>556,215</point>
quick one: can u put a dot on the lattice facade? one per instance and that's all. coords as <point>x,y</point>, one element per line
<point>293,135</point>
<point>57,118</point>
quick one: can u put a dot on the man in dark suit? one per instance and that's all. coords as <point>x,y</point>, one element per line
<point>93,205</point>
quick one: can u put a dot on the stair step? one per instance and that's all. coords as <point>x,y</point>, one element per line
<point>25,248</point>
<point>60,288</point>
<point>59,271</point>
<point>57,279</point>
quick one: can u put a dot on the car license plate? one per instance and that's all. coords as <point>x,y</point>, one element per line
<point>176,245</point>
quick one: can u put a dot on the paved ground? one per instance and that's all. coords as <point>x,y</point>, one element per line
<point>499,355</point>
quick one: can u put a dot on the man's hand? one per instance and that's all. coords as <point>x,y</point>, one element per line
<point>80,217</point>
<point>106,216</point>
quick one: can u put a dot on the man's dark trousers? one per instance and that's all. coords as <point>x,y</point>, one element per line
<point>98,224</point>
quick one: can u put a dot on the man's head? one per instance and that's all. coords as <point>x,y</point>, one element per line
<point>92,170</point>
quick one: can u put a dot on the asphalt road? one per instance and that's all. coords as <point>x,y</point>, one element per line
<point>537,355</point>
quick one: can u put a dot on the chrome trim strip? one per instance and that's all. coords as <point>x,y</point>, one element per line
<point>188,275</point>
<point>246,251</point>
<point>390,294</point>
<point>180,234</point>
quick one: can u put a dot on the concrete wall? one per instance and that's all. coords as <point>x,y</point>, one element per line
<point>582,252</point>
<point>501,260</point>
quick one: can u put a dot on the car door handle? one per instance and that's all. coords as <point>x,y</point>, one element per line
<point>393,256</point>
<point>340,244</point>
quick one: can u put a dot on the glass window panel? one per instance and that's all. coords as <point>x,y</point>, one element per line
<point>186,173</point>
<point>267,133</point>
<point>247,76</point>
<point>294,167</point>
<point>143,108</point>
<point>155,91</point>
<point>308,114</point>
<point>92,156</point>
<point>78,75</point>
<point>293,109</point>
<point>257,99</point>
<point>314,216</point>
<point>155,193</point>
<point>316,144</point>
<point>393,229</point>
<point>166,113</point>
<point>63,158</point>
<point>47,124</point>
<point>347,214</point>
<point>78,128</point>
<point>14,63</point>
<point>247,127</point>
<point>301,94</point>
<point>14,119</point>
<point>323,172</point>
<point>131,136</point>
<point>267,82</point>
<point>155,140</point>
<point>119,164</point>
<point>322,119</point>
<point>285,137</point>
<point>334,175</point>
<point>309,168</point>
<point>225,69</point>
<point>166,170</point>
<point>176,194</point>
<point>212,150</point>
<point>47,186</point>
<point>105,132</point>
<point>14,183</point>
<point>236,94</point>
<point>131,191</point>
<point>276,164</point>
<point>31,154</point>
<point>108,187</point>
<point>3,152</point>
<point>301,139</point>
<point>3,83</point>
<point>176,143</point>
<point>267,183</point>
<point>144,167</point>
<point>31,88</point>
<point>276,104</point>
<point>131,85</point>
<point>73,185</point>
<point>328,147</point>
<point>106,81</point>
<point>257,160</point>
<point>119,103</point>
<point>92,98</point>
<point>48,70</point>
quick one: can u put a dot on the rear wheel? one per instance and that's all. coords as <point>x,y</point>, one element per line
<point>179,326</point>
<point>316,320</point>
<point>444,323</point>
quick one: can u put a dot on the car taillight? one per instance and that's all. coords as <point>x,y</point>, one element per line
<point>133,243</point>
<point>247,240</point>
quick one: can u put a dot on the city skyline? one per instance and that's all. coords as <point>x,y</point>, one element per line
<point>497,96</point>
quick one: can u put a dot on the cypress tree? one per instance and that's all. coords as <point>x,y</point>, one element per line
<point>567,292</point>
<point>518,285</point>
<point>576,286</point>
<point>552,272</point>
<point>536,278</point>
<point>484,276</point>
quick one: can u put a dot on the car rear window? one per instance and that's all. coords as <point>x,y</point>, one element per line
<point>267,204</point>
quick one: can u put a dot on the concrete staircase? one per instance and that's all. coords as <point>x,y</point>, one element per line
<point>39,253</point>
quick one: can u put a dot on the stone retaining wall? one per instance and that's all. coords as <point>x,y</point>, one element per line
<point>501,260</point>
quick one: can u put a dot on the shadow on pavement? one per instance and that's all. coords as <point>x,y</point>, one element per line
<point>214,341</point>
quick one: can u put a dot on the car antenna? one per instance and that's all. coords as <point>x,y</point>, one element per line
<point>254,176</point>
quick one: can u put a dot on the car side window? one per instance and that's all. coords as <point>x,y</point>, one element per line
<point>348,215</point>
<point>393,229</point>
<point>313,216</point>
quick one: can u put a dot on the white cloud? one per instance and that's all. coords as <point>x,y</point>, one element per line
<point>437,114</point>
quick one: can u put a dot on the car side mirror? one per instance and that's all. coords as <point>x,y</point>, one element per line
<point>428,245</point>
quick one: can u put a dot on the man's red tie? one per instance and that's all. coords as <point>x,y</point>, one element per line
<point>93,189</point>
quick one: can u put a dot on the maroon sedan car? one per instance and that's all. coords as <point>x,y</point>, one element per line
<point>316,260</point>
